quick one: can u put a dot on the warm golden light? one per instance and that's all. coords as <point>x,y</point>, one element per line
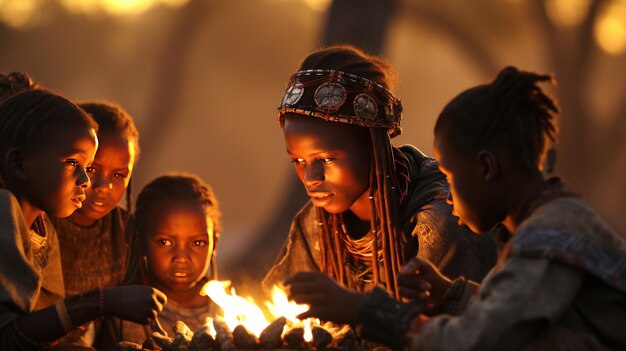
<point>245,311</point>
<point>18,13</point>
<point>281,307</point>
<point>236,309</point>
<point>610,28</point>
<point>565,13</point>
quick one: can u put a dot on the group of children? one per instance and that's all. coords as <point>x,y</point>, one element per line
<point>386,243</point>
<point>65,170</point>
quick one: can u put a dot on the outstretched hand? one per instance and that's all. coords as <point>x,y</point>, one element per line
<point>135,303</point>
<point>420,281</point>
<point>328,301</point>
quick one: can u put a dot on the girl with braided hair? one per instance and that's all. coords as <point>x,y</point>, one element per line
<point>46,145</point>
<point>173,233</point>
<point>560,282</point>
<point>373,205</point>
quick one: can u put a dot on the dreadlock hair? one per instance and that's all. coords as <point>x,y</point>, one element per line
<point>512,113</point>
<point>30,117</point>
<point>387,244</point>
<point>164,192</point>
<point>112,118</point>
<point>12,83</point>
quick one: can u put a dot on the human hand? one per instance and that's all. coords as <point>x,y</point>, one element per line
<point>328,301</point>
<point>420,281</point>
<point>135,303</point>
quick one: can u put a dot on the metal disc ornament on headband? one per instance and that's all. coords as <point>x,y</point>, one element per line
<point>330,96</point>
<point>293,94</point>
<point>365,106</point>
<point>324,93</point>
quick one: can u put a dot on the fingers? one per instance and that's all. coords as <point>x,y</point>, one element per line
<point>414,294</point>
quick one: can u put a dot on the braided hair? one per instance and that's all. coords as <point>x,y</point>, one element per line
<point>29,117</point>
<point>386,191</point>
<point>512,112</point>
<point>163,192</point>
<point>12,83</point>
<point>15,82</point>
<point>112,118</point>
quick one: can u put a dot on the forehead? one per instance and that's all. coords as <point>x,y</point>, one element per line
<point>181,214</point>
<point>304,131</point>
<point>111,142</point>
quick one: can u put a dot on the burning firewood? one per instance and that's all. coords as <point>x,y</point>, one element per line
<point>202,340</point>
<point>270,336</point>
<point>346,338</point>
<point>164,341</point>
<point>245,340</point>
<point>129,346</point>
<point>295,339</point>
<point>223,334</point>
<point>151,345</point>
<point>321,337</point>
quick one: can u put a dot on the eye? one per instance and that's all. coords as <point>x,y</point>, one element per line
<point>120,176</point>
<point>199,243</point>
<point>327,160</point>
<point>90,170</point>
<point>297,161</point>
<point>164,242</point>
<point>72,162</point>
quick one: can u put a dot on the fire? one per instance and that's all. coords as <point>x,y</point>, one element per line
<point>245,311</point>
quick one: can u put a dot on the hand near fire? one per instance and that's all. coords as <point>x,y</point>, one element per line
<point>420,281</point>
<point>135,303</point>
<point>328,301</point>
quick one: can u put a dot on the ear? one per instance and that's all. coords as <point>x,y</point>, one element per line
<point>14,165</point>
<point>488,164</point>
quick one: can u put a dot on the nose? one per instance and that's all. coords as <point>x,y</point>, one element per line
<point>101,184</point>
<point>313,174</point>
<point>181,253</point>
<point>83,180</point>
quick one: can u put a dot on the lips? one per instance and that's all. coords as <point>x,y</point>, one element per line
<point>78,200</point>
<point>98,205</point>
<point>321,199</point>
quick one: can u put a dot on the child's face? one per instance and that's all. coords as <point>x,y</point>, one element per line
<point>330,159</point>
<point>56,176</point>
<point>468,191</point>
<point>109,174</point>
<point>179,247</point>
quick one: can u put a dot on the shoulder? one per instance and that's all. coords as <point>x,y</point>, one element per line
<point>567,230</point>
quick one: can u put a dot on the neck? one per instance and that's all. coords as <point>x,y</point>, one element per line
<point>29,211</point>
<point>362,207</point>
<point>527,190</point>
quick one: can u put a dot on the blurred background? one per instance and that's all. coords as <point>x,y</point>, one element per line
<point>203,78</point>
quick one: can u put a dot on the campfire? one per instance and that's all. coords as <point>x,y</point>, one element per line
<point>244,325</point>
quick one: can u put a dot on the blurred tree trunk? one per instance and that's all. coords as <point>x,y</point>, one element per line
<point>170,74</point>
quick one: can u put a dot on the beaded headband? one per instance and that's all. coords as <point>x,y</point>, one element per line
<point>341,97</point>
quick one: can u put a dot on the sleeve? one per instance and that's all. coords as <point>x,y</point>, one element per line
<point>297,255</point>
<point>20,281</point>
<point>516,302</point>
<point>455,250</point>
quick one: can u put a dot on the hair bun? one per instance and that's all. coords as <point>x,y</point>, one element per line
<point>15,82</point>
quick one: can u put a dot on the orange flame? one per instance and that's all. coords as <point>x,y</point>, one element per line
<point>245,311</point>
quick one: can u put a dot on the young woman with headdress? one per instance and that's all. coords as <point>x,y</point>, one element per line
<point>373,205</point>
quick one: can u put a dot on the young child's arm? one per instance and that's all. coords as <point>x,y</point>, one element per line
<point>139,304</point>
